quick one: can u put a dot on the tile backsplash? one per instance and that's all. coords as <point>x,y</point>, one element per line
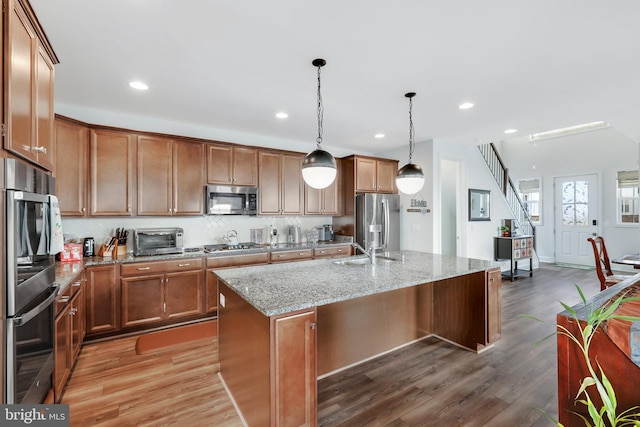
<point>198,230</point>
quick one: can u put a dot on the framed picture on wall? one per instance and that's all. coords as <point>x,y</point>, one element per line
<point>479,205</point>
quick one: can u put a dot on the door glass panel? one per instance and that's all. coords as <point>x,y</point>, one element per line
<point>575,199</point>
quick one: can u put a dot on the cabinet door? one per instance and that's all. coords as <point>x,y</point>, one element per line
<point>312,200</point>
<point>494,305</point>
<point>365,175</point>
<point>103,299</point>
<point>219,164</point>
<point>62,351</point>
<point>22,44</point>
<point>386,172</point>
<point>71,142</point>
<point>183,294</point>
<point>211,293</point>
<point>188,178</point>
<point>77,323</point>
<point>269,183</point>
<point>111,165</point>
<point>43,144</point>
<point>154,171</point>
<point>245,166</point>
<point>330,197</point>
<point>294,352</point>
<point>292,185</point>
<point>142,300</point>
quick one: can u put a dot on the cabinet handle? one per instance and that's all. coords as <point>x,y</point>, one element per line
<point>64,300</point>
<point>340,250</point>
<point>300,253</point>
<point>313,325</point>
<point>73,311</point>
<point>184,265</point>
<point>321,252</point>
<point>143,268</point>
<point>41,149</point>
<point>84,210</point>
<point>77,284</point>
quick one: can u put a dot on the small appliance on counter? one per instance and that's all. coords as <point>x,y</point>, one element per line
<point>158,241</point>
<point>294,235</point>
<point>88,247</point>
<point>325,233</point>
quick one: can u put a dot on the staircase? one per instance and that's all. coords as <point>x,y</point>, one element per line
<point>501,175</point>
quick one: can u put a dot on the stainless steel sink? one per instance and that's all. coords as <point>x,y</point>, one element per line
<point>362,261</point>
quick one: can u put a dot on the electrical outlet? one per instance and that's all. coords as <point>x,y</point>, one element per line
<point>223,300</point>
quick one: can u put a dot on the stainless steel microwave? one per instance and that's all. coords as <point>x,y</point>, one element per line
<point>158,241</point>
<point>231,200</point>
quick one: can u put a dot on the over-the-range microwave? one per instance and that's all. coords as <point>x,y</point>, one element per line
<point>231,200</point>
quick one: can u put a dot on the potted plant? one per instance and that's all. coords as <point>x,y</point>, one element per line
<point>505,231</point>
<point>597,383</point>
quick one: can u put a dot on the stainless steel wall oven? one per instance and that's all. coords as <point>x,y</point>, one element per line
<point>29,274</point>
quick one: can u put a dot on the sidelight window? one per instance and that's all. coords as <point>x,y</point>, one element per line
<point>628,197</point>
<point>530,193</point>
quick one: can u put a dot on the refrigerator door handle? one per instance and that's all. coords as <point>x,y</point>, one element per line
<point>385,223</point>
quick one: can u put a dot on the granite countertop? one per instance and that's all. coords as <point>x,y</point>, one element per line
<point>282,288</point>
<point>66,272</point>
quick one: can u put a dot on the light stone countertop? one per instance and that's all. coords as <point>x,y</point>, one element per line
<point>282,288</point>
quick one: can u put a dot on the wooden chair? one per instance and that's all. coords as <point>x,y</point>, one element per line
<point>603,266</point>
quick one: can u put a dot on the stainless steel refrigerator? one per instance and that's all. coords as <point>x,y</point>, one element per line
<point>378,221</point>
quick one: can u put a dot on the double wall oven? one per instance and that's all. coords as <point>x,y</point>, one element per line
<point>28,276</point>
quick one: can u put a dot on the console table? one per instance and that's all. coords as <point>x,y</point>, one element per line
<point>514,249</point>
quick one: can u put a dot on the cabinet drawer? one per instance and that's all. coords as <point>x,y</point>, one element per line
<point>238,260</point>
<point>291,255</point>
<point>140,268</point>
<point>63,299</point>
<point>331,252</point>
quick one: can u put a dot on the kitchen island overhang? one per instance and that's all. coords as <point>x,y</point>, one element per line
<point>281,326</point>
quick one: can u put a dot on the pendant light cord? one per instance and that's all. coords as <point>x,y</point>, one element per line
<point>320,112</point>
<point>411,130</point>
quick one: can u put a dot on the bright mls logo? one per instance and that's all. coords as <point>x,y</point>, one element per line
<point>35,415</point>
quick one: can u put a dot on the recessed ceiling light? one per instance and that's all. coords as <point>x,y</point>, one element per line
<point>138,85</point>
<point>379,135</point>
<point>465,105</point>
<point>282,115</point>
<point>508,131</point>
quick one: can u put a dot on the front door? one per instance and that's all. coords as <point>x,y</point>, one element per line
<point>576,218</point>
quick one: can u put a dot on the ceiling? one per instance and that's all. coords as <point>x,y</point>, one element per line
<point>229,66</point>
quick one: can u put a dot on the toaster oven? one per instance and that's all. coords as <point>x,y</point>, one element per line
<point>158,241</point>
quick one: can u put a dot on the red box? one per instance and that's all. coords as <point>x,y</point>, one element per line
<point>71,252</point>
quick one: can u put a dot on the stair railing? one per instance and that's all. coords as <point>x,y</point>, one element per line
<point>509,190</point>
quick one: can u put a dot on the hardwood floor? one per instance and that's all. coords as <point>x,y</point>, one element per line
<point>429,383</point>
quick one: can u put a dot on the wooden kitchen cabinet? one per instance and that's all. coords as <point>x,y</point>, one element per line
<point>229,165</point>
<point>161,290</point>
<point>111,167</point>
<point>280,184</point>
<point>28,93</point>
<point>325,201</point>
<point>332,252</point>
<point>72,156</point>
<point>103,299</point>
<point>287,256</point>
<point>170,176</point>
<point>494,305</point>
<point>375,175</point>
<point>69,333</point>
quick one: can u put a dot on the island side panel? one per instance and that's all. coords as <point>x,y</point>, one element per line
<point>244,349</point>
<point>459,310</point>
<point>354,330</point>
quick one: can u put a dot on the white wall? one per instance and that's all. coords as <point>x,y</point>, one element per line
<point>601,152</point>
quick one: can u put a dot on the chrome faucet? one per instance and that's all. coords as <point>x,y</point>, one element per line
<point>371,253</point>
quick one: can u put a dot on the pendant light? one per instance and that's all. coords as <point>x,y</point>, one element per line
<point>410,178</point>
<point>319,167</point>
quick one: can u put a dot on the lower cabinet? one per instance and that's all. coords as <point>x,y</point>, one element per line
<point>332,252</point>
<point>69,333</point>
<point>159,291</point>
<point>287,256</point>
<point>103,299</point>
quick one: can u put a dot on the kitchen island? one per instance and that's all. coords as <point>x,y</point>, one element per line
<point>280,327</point>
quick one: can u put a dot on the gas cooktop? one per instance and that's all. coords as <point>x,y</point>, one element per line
<point>225,247</point>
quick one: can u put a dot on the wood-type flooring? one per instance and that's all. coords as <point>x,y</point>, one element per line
<point>429,383</point>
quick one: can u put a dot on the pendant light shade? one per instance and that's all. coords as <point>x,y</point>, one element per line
<point>319,167</point>
<point>410,178</point>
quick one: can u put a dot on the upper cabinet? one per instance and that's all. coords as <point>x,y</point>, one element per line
<point>72,149</point>
<point>228,165</point>
<point>111,169</point>
<point>375,175</point>
<point>170,176</point>
<point>280,184</point>
<point>29,114</point>
<point>324,201</point>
